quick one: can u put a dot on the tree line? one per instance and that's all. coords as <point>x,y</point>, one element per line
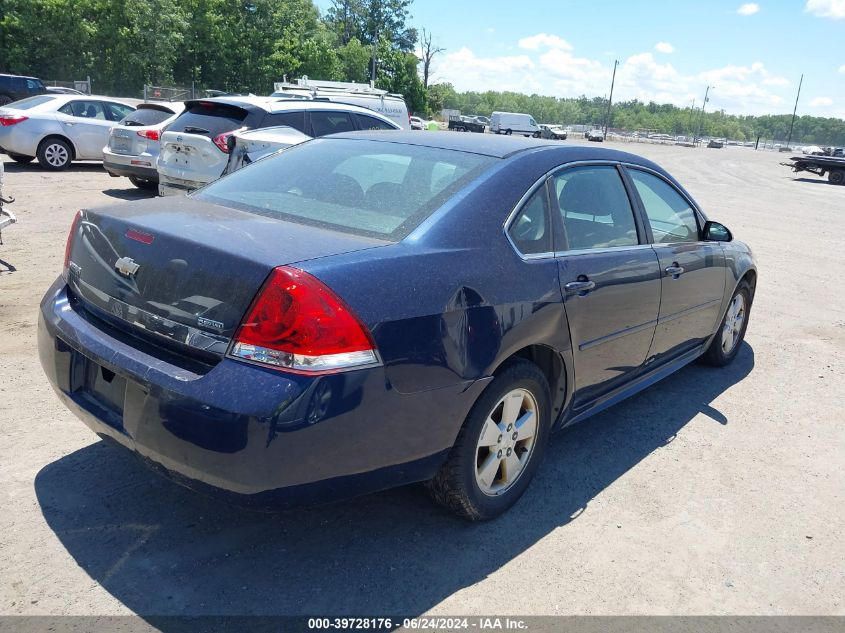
<point>247,45</point>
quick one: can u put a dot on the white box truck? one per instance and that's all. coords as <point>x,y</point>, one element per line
<point>514,123</point>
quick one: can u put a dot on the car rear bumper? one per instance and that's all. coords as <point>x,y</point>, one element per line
<point>174,186</point>
<point>244,429</point>
<point>140,166</point>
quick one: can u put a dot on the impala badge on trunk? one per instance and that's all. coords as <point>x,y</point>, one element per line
<point>126,266</point>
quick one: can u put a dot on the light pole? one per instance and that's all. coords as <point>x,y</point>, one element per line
<point>610,101</point>
<point>701,118</point>
<point>794,110</point>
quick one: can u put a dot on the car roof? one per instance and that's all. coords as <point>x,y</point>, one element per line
<point>282,105</point>
<point>21,76</point>
<point>497,146</point>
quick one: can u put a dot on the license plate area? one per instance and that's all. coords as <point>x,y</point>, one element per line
<point>99,390</point>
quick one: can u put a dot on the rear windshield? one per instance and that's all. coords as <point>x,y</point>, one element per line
<point>209,119</point>
<point>370,188</point>
<point>30,102</point>
<point>146,116</point>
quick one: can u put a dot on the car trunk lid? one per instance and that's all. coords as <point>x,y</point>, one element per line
<point>181,272</point>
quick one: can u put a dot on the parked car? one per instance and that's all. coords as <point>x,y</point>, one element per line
<point>514,122</point>
<point>251,145</point>
<point>595,134</point>
<point>482,119</point>
<point>16,87</point>
<point>194,148</point>
<point>387,104</point>
<point>61,90</point>
<point>58,129</point>
<point>321,324</point>
<point>134,143</point>
<point>554,132</point>
<point>417,123</point>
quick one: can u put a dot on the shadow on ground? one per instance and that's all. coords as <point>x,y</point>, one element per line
<point>161,550</point>
<point>12,167</point>
<point>132,193</point>
<point>815,181</point>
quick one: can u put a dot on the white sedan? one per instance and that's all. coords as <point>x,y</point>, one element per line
<point>58,129</point>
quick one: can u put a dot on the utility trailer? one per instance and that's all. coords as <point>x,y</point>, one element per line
<point>820,165</point>
<point>465,124</point>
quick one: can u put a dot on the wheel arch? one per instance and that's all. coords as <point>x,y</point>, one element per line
<point>552,364</point>
<point>60,137</point>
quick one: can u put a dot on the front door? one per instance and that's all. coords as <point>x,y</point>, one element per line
<point>609,277</point>
<point>692,270</point>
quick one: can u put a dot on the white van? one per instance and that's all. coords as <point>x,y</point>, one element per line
<point>514,123</point>
<point>385,103</point>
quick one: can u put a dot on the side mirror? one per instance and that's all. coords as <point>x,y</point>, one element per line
<point>715,232</point>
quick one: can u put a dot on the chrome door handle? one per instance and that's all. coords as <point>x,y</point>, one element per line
<point>674,270</point>
<point>68,123</point>
<point>579,287</point>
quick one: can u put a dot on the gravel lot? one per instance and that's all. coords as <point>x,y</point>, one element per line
<point>713,492</point>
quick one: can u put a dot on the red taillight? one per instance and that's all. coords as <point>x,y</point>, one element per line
<point>11,119</point>
<point>298,323</point>
<point>74,227</point>
<point>221,141</point>
<point>153,135</point>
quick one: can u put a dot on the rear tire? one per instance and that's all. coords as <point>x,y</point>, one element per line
<point>508,132</point>
<point>20,158</point>
<point>54,154</point>
<point>147,185</point>
<point>5,99</point>
<point>725,345</point>
<point>499,447</point>
<point>836,177</point>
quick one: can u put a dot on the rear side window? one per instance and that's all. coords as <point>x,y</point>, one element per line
<point>324,123</point>
<point>85,110</point>
<point>146,116</point>
<point>209,119</point>
<point>117,111</point>
<point>669,214</point>
<point>296,120</point>
<point>362,187</point>
<point>366,122</point>
<point>594,209</point>
<point>530,231</point>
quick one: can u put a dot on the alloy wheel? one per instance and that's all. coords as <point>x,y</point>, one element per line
<point>732,328</point>
<point>506,442</point>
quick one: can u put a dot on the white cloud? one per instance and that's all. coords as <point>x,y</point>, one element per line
<point>826,8</point>
<point>821,102</point>
<point>842,68</point>
<point>544,40</point>
<point>664,47</point>
<point>560,72</point>
<point>750,8</point>
<point>490,29</point>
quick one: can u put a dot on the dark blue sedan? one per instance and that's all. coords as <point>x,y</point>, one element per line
<point>374,309</point>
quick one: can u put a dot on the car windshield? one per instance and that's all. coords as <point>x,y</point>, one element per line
<point>30,102</point>
<point>364,187</point>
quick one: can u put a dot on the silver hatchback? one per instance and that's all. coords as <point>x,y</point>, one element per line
<point>135,143</point>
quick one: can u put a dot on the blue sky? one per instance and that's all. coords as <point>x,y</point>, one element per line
<point>753,53</point>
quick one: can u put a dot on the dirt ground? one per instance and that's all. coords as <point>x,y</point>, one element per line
<point>713,492</point>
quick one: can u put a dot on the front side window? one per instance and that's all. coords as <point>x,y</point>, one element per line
<point>594,209</point>
<point>324,123</point>
<point>669,214</point>
<point>530,231</point>
<point>366,122</point>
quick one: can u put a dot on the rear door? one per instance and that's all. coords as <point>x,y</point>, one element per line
<point>86,123</point>
<point>323,122</point>
<point>609,277</point>
<point>692,271</point>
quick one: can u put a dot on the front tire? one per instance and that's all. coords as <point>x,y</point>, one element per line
<point>725,345</point>
<point>836,177</point>
<point>499,447</point>
<point>54,154</point>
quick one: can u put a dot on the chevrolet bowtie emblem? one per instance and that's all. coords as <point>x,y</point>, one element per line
<point>126,266</point>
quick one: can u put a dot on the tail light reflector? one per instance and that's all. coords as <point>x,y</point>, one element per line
<point>74,228</point>
<point>152,135</point>
<point>297,323</point>
<point>12,119</point>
